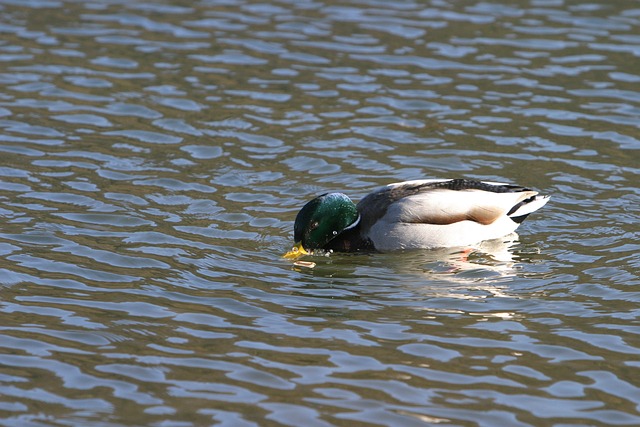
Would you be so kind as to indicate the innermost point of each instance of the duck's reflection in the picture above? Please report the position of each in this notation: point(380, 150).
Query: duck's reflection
point(474, 272)
point(487, 269)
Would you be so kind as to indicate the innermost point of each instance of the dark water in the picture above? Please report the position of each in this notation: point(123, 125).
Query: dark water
point(154, 155)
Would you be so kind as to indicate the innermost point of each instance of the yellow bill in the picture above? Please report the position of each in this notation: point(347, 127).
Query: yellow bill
point(296, 252)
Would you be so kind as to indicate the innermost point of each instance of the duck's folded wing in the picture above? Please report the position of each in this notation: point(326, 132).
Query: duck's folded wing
point(442, 202)
point(444, 206)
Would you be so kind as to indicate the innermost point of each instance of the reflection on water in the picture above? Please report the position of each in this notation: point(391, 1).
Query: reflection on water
point(484, 271)
point(154, 156)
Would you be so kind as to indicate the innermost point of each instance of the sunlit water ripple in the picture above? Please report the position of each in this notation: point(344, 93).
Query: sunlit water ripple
point(154, 156)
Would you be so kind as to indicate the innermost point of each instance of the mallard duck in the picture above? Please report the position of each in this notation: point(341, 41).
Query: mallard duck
point(430, 213)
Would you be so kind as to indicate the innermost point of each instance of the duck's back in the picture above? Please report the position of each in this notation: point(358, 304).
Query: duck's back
point(443, 213)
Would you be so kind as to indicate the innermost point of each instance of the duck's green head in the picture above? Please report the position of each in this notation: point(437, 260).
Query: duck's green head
point(321, 220)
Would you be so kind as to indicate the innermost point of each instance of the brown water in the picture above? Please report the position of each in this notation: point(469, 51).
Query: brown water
point(154, 155)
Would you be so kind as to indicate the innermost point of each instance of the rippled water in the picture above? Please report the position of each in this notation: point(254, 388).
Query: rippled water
point(154, 155)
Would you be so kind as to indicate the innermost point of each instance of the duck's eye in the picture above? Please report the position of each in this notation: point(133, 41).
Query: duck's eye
point(335, 233)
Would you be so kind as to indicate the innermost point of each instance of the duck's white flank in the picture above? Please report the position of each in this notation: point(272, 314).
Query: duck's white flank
point(443, 217)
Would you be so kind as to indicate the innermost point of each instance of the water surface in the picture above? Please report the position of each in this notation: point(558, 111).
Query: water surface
point(154, 155)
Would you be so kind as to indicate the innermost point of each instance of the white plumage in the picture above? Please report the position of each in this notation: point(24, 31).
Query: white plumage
point(445, 217)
